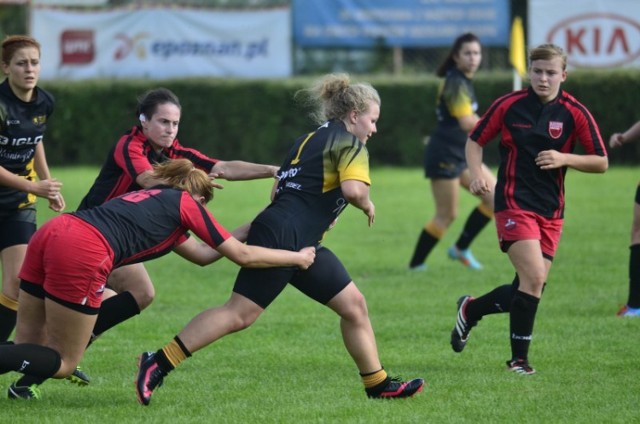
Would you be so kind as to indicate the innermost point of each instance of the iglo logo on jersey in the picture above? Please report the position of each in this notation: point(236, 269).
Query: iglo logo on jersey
point(555, 129)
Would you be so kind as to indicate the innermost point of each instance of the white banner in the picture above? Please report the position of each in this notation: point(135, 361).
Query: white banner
point(163, 43)
point(601, 34)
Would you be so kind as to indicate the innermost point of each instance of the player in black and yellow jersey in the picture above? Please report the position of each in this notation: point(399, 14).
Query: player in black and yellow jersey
point(325, 171)
point(24, 174)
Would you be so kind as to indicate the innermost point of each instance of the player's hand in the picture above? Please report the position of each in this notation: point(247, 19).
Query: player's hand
point(479, 186)
point(370, 211)
point(616, 140)
point(550, 159)
point(57, 203)
point(308, 256)
point(47, 188)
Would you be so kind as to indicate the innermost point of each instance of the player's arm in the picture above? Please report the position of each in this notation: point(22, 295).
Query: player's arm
point(467, 122)
point(146, 180)
point(201, 253)
point(56, 202)
point(552, 159)
point(237, 170)
point(632, 134)
point(261, 257)
point(473, 153)
point(357, 193)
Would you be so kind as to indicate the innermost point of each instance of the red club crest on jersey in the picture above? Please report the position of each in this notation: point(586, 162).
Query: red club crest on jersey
point(555, 129)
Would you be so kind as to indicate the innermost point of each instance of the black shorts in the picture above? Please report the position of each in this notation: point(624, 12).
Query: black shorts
point(321, 281)
point(17, 227)
point(444, 158)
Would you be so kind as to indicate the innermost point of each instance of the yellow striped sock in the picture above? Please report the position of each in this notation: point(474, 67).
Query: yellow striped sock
point(374, 378)
point(8, 302)
point(174, 353)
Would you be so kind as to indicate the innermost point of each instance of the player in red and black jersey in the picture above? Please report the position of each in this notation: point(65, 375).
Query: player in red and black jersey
point(632, 307)
point(539, 129)
point(128, 167)
point(24, 174)
point(324, 171)
point(444, 160)
point(70, 258)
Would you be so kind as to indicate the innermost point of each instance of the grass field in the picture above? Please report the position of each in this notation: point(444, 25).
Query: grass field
point(291, 366)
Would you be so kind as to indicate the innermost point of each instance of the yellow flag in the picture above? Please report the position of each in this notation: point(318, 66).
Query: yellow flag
point(517, 47)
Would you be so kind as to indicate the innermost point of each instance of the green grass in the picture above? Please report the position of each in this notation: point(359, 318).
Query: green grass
point(291, 366)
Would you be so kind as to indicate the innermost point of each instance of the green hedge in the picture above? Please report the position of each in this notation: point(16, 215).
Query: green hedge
point(257, 120)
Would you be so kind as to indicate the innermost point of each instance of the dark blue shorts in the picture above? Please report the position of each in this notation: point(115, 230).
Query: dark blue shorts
point(17, 227)
point(444, 159)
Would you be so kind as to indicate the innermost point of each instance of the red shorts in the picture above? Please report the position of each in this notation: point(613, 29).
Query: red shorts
point(70, 259)
point(517, 224)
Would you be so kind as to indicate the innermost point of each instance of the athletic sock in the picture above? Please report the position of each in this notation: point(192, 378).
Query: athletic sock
point(29, 380)
point(115, 310)
point(373, 379)
point(429, 237)
point(477, 220)
point(521, 319)
point(28, 358)
point(497, 301)
point(8, 308)
point(172, 355)
point(634, 277)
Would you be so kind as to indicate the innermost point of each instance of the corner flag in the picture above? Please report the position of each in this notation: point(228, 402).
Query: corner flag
point(517, 53)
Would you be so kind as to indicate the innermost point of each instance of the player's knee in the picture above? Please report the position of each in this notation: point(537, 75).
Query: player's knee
point(356, 309)
point(66, 369)
point(144, 298)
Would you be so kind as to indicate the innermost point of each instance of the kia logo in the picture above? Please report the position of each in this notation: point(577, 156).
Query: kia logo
point(598, 40)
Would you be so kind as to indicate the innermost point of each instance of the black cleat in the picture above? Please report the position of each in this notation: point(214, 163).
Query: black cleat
point(79, 377)
point(24, 392)
point(149, 377)
point(460, 333)
point(393, 387)
point(520, 366)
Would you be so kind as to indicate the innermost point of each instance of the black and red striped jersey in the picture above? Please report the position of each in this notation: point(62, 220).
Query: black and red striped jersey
point(527, 126)
point(130, 156)
point(146, 224)
point(22, 128)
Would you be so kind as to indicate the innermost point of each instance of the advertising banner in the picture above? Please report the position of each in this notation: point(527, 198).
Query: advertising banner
point(163, 43)
point(398, 23)
point(602, 34)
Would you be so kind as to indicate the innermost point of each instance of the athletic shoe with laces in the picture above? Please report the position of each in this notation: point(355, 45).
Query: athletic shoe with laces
point(627, 311)
point(24, 392)
point(460, 333)
point(520, 366)
point(150, 376)
point(465, 256)
point(395, 388)
point(79, 377)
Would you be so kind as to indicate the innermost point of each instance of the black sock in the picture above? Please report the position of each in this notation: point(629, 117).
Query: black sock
point(424, 246)
point(497, 301)
point(32, 359)
point(7, 322)
point(115, 310)
point(163, 362)
point(28, 380)
point(521, 319)
point(475, 223)
point(634, 277)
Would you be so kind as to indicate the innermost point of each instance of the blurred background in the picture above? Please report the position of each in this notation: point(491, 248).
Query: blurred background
point(235, 64)
point(410, 54)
